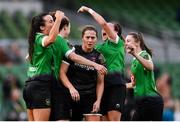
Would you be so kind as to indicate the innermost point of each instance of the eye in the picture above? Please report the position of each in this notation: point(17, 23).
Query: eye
point(92, 37)
point(51, 21)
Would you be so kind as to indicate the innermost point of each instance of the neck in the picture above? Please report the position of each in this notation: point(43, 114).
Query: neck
point(138, 50)
point(86, 49)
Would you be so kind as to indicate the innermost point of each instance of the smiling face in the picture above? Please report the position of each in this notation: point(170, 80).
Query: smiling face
point(104, 34)
point(89, 40)
point(130, 40)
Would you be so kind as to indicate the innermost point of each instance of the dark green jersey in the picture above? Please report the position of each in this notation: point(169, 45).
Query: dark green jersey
point(144, 79)
point(41, 59)
point(114, 54)
point(60, 49)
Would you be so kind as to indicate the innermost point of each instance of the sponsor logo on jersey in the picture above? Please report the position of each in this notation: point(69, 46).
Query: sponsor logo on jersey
point(84, 66)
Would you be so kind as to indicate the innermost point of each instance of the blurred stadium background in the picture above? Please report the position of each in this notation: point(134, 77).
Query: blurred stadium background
point(159, 20)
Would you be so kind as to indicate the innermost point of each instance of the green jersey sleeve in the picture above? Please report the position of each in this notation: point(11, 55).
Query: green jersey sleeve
point(65, 48)
point(146, 56)
point(40, 38)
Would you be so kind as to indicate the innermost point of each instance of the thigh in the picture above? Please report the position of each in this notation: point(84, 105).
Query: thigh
point(30, 115)
point(92, 117)
point(77, 113)
point(116, 97)
point(87, 102)
point(41, 114)
point(104, 104)
point(157, 109)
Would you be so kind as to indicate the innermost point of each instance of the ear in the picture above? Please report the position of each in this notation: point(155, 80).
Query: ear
point(42, 28)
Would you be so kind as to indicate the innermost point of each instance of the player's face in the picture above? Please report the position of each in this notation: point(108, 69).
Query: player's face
point(129, 41)
point(89, 39)
point(49, 22)
point(104, 35)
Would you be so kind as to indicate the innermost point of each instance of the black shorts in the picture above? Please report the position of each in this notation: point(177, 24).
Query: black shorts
point(84, 106)
point(61, 104)
point(37, 94)
point(114, 78)
point(148, 109)
point(113, 98)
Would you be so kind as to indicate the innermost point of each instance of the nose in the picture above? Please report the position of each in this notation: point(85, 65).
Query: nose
point(90, 39)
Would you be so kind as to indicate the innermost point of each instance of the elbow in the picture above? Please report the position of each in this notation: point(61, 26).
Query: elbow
point(103, 24)
point(150, 67)
point(52, 38)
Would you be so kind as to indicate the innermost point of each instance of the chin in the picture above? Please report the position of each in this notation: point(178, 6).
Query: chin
point(89, 48)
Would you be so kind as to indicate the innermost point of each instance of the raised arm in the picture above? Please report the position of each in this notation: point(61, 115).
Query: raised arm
point(111, 34)
point(54, 30)
point(63, 70)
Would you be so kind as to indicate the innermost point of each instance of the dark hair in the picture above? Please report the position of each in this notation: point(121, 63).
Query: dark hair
point(36, 22)
point(139, 38)
point(118, 29)
point(64, 21)
point(89, 27)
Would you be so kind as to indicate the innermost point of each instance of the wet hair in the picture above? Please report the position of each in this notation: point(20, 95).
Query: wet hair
point(36, 23)
point(64, 21)
point(118, 29)
point(89, 27)
point(139, 38)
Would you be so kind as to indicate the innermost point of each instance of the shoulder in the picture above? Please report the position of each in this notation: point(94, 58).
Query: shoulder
point(145, 55)
point(78, 48)
point(39, 36)
point(117, 41)
point(95, 51)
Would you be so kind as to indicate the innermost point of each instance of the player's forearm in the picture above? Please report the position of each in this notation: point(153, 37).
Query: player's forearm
point(146, 63)
point(100, 87)
point(81, 60)
point(103, 23)
point(55, 30)
point(97, 17)
point(65, 81)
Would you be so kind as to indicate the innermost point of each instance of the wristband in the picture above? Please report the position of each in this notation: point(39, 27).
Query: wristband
point(91, 11)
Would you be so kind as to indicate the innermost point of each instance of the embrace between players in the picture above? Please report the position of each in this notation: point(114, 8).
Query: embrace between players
point(71, 82)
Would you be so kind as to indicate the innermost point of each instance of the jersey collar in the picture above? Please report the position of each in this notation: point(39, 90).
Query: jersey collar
point(139, 53)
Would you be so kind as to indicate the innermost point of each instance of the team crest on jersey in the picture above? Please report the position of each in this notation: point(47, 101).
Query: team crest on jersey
point(93, 59)
point(47, 102)
point(117, 105)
